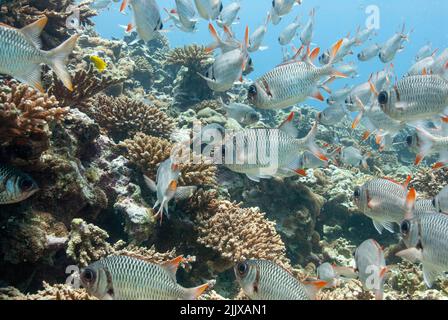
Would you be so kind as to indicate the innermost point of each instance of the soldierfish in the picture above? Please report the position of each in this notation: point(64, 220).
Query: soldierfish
point(147, 19)
point(15, 186)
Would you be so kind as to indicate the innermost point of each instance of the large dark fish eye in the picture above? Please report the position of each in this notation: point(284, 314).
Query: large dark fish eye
point(383, 97)
point(405, 227)
point(409, 140)
point(25, 184)
point(434, 202)
point(319, 115)
point(359, 55)
point(221, 7)
point(252, 92)
point(250, 62)
point(357, 192)
point(88, 275)
point(242, 268)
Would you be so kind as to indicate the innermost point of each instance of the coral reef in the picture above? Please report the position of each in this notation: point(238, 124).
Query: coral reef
point(428, 182)
point(124, 117)
point(194, 57)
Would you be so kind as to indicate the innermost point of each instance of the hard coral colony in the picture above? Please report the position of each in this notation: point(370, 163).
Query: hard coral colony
point(111, 136)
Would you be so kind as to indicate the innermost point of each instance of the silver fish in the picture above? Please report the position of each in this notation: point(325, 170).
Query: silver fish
point(100, 4)
point(371, 266)
point(345, 49)
point(440, 202)
point(260, 153)
point(393, 45)
point(306, 36)
point(265, 280)
point(424, 52)
point(166, 186)
point(440, 65)
point(384, 201)
point(332, 115)
point(209, 9)
point(351, 156)
point(363, 35)
point(428, 143)
point(127, 278)
point(415, 98)
point(339, 96)
point(187, 14)
point(369, 52)
point(147, 18)
point(333, 274)
point(15, 186)
point(227, 45)
point(242, 113)
point(289, 32)
point(228, 14)
point(257, 37)
point(349, 69)
point(21, 56)
point(422, 66)
point(283, 7)
point(426, 238)
point(290, 83)
point(275, 18)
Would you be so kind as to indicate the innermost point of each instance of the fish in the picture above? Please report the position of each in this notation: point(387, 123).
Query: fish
point(187, 15)
point(349, 69)
point(415, 98)
point(306, 36)
point(189, 26)
point(362, 35)
point(120, 277)
point(289, 32)
point(345, 49)
point(369, 52)
point(328, 272)
point(166, 186)
point(244, 114)
point(339, 96)
point(21, 55)
point(99, 63)
point(257, 37)
point(363, 92)
point(371, 267)
point(422, 66)
point(440, 201)
point(147, 19)
point(228, 68)
point(291, 83)
point(424, 52)
point(425, 237)
point(425, 206)
point(209, 9)
point(72, 21)
point(332, 115)
point(428, 143)
point(227, 45)
point(393, 45)
point(100, 4)
point(308, 160)
point(269, 150)
point(350, 156)
point(15, 185)
point(265, 280)
point(385, 201)
point(283, 7)
point(440, 63)
point(275, 18)
point(228, 14)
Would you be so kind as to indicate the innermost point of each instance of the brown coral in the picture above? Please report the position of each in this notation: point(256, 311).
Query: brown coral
point(211, 104)
point(87, 83)
point(20, 13)
point(194, 57)
point(428, 182)
point(60, 292)
point(26, 116)
point(124, 117)
point(147, 254)
point(240, 233)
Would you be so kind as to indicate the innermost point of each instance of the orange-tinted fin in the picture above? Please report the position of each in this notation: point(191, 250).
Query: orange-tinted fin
point(438, 165)
point(318, 96)
point(419, 158)
point(424, 72)
point(123, 5)
point(301, 172)
point(313, 286)
point(172, 265)
point(373, 88)
point(313, 55)
point(336, 48)
point(410, 199)
point(355, 122)
point(365, 135)
point(193, 293)
point(406, 183)
point(212, 30)
point(444, 118)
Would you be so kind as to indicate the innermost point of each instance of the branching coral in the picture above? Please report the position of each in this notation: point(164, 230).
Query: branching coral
point(124, 117)
point(147, 152)
point(26, 116)
point(193, 57)
point(147, 254)
point(87, 83)
point(20, 13)
point(60, 292)
point(240, 233)
point(87, 243)
point(212, 104)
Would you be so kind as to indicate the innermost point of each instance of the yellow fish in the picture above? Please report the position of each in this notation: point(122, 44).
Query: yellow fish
point(99, 63)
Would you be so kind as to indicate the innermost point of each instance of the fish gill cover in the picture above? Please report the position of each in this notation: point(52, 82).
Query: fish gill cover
point(275, 143)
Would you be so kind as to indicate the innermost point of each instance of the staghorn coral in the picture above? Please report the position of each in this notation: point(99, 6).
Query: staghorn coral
point(87, 243)
point(25, 119)
point(147, 152)
point(147, 254)
point(428, 182)
point(144, 71)
point(124, 117)
point(87, 83)
point(20, 13)
point(193, 57)
point(240, 233)
point(60, 292)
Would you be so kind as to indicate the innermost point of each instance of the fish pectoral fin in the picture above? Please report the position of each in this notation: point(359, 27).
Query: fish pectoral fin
point(151, 184)
point(32, 76)
point(430, 274)
point(32, 31)
point(185, 192)
point(289, 127)
point(252, 177)
point(317, 95)
point(193, 293)
point(378, 226)
point(411, 254)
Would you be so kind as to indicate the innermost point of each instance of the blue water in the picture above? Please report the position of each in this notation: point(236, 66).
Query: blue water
point(334, 20)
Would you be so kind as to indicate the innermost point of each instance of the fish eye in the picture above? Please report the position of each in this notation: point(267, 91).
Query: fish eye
point(405, 227)
point(25, 184)
point(357, 192)
point(273, 3)
point(409, 140)
point(161, 26)
point(254, 116)
point(252, 92)
point(88, 275)
point(359, 55)
point(383, 98)
point(250, 62)
point(434, 202)
point(221, 7)
point(242, 268)
point(319, 115)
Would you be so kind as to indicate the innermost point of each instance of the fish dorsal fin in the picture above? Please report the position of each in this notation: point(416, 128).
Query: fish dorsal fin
point(406, 183)
point(7, 26)
point(313, 286)
point(151, 184)
point(33, 31)
point(172, 265)
point(288, 126)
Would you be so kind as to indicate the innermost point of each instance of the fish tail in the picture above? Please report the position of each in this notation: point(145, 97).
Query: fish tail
point(58, 57)
point(215, 35)
point(310, 142)
point(193, 293)
point(313, 287)
point(425, 143)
